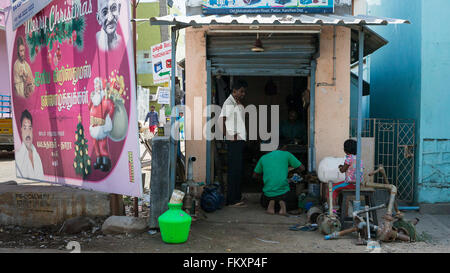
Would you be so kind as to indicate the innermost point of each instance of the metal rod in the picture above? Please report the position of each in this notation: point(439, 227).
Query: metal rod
point(263, 31)
point(368, 223)
point(208, 117)
point(136, 203)
point(357, 203)
point(330, 197)
point(172, 107)
point(312, 112)
point(369, 209)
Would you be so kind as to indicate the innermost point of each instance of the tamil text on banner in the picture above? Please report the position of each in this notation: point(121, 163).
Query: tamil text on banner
point(267, 6)
point(74, 98)
point(162, 62)
point(24, 10)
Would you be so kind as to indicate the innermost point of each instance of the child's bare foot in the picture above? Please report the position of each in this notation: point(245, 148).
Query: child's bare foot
point(282, 208)
point(271, 207)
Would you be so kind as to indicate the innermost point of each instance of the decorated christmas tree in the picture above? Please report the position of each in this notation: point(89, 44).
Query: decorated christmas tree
point(82, 161)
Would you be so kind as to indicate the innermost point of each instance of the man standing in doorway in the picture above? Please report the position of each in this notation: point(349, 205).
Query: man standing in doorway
point(235, 135)
point(153, 119)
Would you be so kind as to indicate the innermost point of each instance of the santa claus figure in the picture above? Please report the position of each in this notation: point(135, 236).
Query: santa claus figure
point(101, 111)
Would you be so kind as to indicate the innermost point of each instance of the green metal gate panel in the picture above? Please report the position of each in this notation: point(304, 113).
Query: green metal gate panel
point(284, 54)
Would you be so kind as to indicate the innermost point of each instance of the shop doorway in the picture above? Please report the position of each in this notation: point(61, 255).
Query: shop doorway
point(279, 73)
point(285, 92)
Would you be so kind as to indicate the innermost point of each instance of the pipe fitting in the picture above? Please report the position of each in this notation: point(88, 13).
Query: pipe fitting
point(190, 173)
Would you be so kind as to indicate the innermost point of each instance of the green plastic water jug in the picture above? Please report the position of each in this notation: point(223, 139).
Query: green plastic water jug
point(175, 224)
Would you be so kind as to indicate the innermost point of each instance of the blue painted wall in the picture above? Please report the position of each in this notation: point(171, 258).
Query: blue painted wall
point(409, 80)
point(434, 183)
point(354, 102)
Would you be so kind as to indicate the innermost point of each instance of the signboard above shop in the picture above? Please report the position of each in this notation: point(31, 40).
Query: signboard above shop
point(267, 6)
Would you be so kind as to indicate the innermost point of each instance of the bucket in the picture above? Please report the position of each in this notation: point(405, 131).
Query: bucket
point(175, 224)
point(177, 197)
point(314, 189)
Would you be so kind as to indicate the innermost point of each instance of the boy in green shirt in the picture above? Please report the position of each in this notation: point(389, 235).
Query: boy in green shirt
point(274, 167)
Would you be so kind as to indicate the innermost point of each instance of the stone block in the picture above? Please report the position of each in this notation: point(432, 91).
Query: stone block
point(77, 224)
point(38, 206)
point(124, 225)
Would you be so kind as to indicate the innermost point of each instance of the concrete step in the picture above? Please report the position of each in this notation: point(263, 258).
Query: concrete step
point(38, 206)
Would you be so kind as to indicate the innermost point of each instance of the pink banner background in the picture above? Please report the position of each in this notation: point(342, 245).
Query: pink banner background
point(58, 164)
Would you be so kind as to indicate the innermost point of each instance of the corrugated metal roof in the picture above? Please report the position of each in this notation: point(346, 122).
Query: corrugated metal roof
point(275, 19)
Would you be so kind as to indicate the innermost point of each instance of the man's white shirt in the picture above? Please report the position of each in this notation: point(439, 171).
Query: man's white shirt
point(24, 168)
point(235, 119)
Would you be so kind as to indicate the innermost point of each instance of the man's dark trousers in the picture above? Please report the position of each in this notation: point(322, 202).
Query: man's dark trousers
point(235, 169)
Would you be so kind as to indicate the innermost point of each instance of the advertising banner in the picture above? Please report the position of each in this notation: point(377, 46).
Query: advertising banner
point(267, 6)
point(162, 62)
point(74, 98)
point(24, 10)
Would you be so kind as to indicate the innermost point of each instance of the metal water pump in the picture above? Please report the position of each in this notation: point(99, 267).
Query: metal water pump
point(393, 228)
point(329, 222)
point(191, 202)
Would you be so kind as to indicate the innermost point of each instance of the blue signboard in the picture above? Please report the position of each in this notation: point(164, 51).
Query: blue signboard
point(23, 10)
point(267, 6)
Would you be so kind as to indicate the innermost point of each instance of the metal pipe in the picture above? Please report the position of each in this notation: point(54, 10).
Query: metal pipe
point(173, 155)
point(336, 235)
point(408, 208)
point(387, 186)
point(312, 118)
point(355, 213)
point(134, 11)
point(190, 174)
point(368, 223)
point(263, 31)
point(357, 202)
point(362, 225)
point(208, 117)
point(330, 198)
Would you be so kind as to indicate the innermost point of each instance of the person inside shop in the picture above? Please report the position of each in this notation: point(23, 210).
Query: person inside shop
point(349, 168)
point(235, 134)
point(274, 170)
point(293, 130)
point(28, 161)
point(153, 119)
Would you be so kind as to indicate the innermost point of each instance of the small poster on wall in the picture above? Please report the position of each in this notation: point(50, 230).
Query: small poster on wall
point(163, 95)
point(267, 6)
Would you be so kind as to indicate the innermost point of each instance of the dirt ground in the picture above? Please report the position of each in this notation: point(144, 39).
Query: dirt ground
point(229, 230)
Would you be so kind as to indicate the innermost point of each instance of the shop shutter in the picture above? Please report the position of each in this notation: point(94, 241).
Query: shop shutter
point(284, 54)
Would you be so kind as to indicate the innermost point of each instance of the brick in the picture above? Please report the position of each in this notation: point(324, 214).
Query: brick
point(429, 146)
